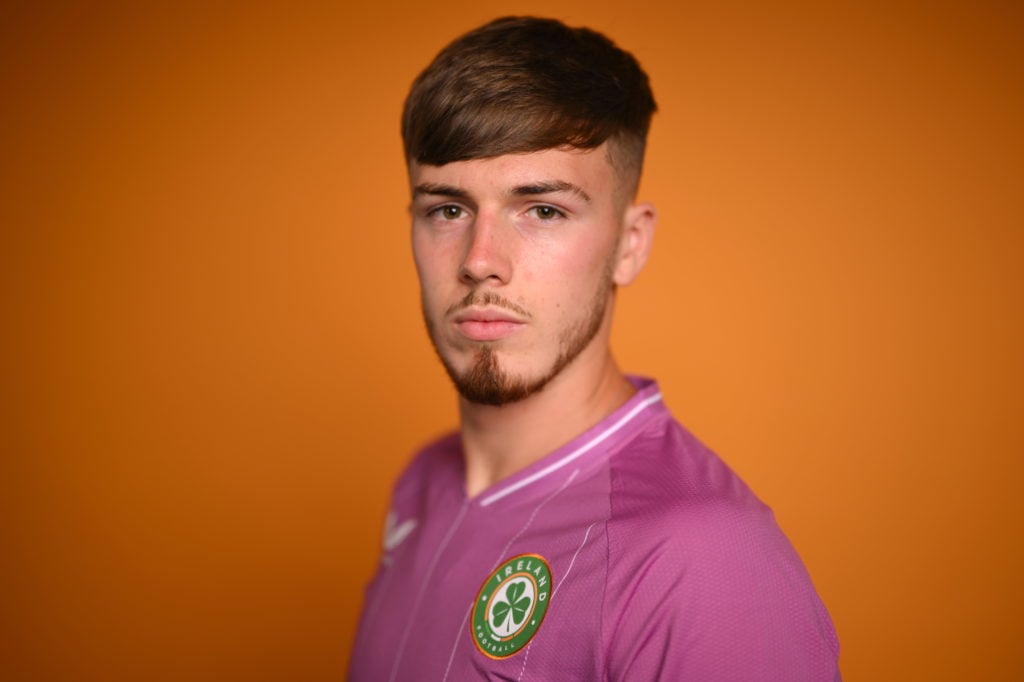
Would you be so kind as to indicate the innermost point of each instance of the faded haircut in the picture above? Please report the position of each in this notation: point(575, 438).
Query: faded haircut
point(525, 84)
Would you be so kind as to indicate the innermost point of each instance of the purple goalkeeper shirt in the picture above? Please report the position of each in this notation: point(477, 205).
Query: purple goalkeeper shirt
point(631, 553)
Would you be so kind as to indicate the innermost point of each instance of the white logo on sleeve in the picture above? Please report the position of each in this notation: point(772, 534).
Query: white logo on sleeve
point(395, 534)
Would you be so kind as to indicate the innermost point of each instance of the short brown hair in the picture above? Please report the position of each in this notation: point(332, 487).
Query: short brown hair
point(525, 84)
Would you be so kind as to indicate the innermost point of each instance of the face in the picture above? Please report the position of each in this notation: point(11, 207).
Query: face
point(517, 256)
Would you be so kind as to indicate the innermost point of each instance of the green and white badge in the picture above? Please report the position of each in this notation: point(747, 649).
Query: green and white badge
point(511, 605)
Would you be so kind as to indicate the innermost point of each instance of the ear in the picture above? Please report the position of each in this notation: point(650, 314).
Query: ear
point(634, 242)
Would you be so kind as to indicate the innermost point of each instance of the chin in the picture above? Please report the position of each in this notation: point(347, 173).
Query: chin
point(484, 381)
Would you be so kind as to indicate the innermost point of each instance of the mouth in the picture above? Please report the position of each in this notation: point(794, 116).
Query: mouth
point(487, 324)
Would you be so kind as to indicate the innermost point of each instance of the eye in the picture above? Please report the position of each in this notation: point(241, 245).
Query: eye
point(545, 212)
point(447, 212)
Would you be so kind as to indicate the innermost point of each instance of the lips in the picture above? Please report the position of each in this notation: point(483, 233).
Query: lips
point(479, 330)
point(487, 324)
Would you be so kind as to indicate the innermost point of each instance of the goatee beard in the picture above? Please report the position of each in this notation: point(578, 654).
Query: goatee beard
point(487, 383)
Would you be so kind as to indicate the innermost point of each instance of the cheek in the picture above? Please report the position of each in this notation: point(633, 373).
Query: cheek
point(420, 252)
point(431, 266)
point(439, 284)
point(580, 269)
point(564, 285)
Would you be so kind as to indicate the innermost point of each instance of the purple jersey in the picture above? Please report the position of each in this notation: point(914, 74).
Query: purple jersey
point(631, 553)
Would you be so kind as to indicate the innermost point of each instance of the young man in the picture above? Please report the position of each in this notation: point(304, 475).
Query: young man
point(572, 529)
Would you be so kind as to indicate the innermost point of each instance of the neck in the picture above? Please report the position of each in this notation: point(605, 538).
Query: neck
point(499, 441)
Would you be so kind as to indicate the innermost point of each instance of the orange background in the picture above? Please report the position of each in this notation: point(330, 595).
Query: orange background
point(214, 364)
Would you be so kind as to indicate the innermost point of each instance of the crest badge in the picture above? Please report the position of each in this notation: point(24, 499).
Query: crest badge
point(510, 606)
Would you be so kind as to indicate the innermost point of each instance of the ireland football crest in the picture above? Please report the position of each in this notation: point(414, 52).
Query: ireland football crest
point(511, 605)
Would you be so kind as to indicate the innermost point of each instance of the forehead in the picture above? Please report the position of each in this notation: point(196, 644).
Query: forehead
point(588, 169)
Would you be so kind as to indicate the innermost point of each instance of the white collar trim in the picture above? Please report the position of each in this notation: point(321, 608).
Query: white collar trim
point(575, 454)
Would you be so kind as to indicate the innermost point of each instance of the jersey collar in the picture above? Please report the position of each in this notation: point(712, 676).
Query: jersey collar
point(594, 444)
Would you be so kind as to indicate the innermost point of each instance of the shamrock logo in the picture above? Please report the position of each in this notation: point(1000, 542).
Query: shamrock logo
point(510, 606)
point(512, 609)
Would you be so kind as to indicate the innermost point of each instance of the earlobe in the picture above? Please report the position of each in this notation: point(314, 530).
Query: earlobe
point(635, 242)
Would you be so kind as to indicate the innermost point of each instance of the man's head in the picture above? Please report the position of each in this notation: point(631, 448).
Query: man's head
point(524, 84)
point(524, 141)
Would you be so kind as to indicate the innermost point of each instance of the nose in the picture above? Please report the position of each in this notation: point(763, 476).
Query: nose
point(487, 252)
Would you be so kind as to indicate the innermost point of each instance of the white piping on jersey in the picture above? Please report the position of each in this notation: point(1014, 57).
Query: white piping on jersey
point(572, 562)
point(575, 454)
point(423, 588)
point(526, 657)
point(536, 510)
point(501, 557)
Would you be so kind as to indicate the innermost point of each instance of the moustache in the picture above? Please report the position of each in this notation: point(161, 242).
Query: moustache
point(487, 298)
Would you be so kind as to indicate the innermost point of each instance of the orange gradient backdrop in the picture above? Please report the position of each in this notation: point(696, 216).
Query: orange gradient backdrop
point(214, 364)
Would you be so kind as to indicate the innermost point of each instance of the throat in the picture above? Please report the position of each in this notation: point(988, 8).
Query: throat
point(499, 441)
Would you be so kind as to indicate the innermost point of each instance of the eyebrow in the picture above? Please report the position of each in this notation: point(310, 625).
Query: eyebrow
point(432, 189)
point(550, 188)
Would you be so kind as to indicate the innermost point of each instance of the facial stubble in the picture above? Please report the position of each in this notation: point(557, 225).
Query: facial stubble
point(486, 382)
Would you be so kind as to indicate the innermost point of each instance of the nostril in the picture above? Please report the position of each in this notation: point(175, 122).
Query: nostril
point(465, 275)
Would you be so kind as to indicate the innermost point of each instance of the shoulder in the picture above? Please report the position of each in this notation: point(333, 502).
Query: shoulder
point(669, 482)
point(438, 463)
point(697, 564)
point(674, 502)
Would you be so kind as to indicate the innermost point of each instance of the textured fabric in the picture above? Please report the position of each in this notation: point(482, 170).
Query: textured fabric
point(664, 566)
